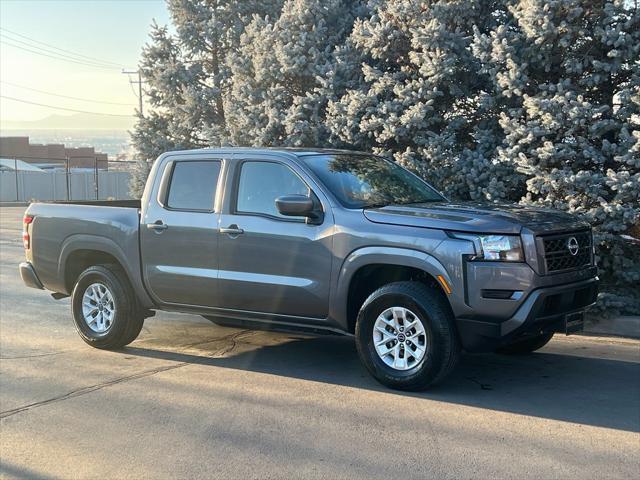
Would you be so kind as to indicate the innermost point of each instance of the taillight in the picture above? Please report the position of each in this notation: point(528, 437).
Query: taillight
point(26, 239)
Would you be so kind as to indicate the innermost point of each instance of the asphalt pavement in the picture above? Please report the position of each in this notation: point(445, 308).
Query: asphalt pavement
point(189, 399)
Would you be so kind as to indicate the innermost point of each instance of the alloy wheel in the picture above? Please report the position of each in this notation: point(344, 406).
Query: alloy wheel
point(98, 307)
point(399, 338)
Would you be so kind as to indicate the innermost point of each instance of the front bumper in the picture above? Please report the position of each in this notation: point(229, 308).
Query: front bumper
point(29, 276)
point(544, 310)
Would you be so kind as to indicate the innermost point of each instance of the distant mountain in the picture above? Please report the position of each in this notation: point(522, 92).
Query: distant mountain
point(83, 121)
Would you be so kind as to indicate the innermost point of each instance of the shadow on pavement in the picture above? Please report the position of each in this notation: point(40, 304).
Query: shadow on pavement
point(590, 391)
point(13, 471)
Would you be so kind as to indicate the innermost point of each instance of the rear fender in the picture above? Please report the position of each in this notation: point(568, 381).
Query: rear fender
point(131, 267)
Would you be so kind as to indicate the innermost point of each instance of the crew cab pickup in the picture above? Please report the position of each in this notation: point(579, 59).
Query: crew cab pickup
point(317, 240)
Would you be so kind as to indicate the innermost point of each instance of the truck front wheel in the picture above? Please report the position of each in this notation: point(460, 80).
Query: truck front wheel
point(405, 336)
point(104, 308)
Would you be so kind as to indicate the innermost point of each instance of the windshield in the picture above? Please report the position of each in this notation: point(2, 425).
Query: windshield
point(362, 181)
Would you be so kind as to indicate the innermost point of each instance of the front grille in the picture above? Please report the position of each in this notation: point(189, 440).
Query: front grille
point(558, 255)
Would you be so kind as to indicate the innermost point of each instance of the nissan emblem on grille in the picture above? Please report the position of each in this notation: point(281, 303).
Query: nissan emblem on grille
point(567, 251)
point(572, 245)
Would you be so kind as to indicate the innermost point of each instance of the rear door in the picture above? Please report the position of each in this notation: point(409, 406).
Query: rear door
point(179, 233)
point(270, 263)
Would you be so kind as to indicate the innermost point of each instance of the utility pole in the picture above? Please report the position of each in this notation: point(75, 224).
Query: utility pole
point(139, 82)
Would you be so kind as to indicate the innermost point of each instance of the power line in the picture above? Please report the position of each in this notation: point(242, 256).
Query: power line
point(51, 52)
point(57, 58)
point(94, 59)
point(63, 108)
point(63, 96)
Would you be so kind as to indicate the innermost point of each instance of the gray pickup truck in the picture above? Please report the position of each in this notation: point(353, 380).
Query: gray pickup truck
point(321, 241)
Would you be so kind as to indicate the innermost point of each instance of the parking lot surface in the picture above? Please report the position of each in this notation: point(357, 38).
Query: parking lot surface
point(189, 399)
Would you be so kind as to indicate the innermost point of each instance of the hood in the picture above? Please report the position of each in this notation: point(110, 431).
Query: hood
point(476, 217)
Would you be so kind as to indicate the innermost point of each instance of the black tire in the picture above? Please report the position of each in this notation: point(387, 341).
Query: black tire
point(128, 318)
point(528, 345)
point(442, 344)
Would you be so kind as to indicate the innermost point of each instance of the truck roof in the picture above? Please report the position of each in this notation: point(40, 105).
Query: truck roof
point(297, 151)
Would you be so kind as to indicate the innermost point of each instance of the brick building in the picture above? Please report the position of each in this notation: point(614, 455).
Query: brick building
point(51, 154)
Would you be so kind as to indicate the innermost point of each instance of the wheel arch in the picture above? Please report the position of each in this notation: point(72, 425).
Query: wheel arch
point(377, 266)
point(79, 252)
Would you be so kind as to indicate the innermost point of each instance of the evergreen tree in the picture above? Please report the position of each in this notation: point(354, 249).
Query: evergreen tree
point(281, 73)
point(139, 174)
point(186, 74)
point(423, 99)
point(175, 118)
point(566, 79)
point(525, 100)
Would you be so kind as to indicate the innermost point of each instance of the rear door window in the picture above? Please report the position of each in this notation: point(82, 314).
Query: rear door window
point(193, 185)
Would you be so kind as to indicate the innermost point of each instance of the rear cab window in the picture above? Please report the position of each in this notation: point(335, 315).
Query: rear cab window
point(193, 185)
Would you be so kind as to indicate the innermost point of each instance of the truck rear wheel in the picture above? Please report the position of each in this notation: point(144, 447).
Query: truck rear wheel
point(406, 337)
point(104, 308)
point(529, 345)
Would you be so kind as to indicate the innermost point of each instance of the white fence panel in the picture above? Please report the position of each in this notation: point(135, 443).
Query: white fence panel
point(81, 186)
point(34, 186)
point(60, 185)
point(113, 185)
point(8, 187)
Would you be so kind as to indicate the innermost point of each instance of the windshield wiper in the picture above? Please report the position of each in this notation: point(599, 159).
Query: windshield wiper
point(431, 200)
point(397, 204)
point(375, 205)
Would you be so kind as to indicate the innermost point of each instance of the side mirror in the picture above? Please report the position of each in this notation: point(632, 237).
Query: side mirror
point(299, 206)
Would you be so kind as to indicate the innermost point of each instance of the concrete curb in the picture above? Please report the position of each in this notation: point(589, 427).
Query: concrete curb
point(623, 326)
point(14, 204)
point(607, 339)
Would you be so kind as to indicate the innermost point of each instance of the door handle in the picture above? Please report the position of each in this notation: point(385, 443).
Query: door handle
point(232, 230)
point(158, 226)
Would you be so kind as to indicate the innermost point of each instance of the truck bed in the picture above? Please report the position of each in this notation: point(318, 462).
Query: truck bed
point(65, 233)
point(99, 203)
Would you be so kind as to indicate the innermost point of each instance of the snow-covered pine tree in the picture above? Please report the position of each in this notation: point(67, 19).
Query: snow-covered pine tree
point(489, 99)
point(186, 75)
point(566, 77)
point(280, 73)
point(139, 174)
point(169, 86)
point(423, 99)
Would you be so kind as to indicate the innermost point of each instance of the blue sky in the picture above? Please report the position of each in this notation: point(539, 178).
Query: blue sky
point(111, 31)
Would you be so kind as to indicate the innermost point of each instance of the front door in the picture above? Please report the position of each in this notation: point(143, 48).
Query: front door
point(179, 235)
point(268, 262)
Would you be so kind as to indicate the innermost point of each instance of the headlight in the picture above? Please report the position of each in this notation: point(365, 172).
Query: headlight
point(502, 248)
point(506, 248)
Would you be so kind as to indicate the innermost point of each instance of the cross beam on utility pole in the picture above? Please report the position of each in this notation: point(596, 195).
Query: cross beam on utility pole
point(139, 82)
